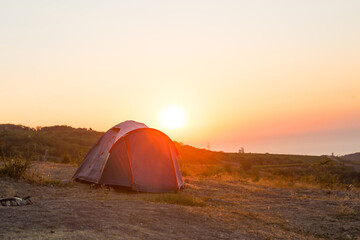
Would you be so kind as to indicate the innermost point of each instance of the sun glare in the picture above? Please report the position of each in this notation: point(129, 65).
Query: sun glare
point(173, 117)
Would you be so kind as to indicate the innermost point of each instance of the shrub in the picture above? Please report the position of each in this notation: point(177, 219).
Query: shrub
point(228, 168)
point(15, 167)
point(246, 165)
point(256, 178)
point(66, 158)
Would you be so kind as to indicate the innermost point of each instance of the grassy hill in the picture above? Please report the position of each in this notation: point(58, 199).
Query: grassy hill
point(70, 145)
point(58, 141)
point(352, 157)
point(61, 141)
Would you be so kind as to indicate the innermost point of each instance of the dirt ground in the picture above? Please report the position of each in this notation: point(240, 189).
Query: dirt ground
point(234, 210)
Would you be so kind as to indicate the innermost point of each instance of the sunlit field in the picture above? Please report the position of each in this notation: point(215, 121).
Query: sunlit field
point(276, 196)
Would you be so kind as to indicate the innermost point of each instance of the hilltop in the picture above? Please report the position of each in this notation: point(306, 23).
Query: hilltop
point(352, 157)
point(62, 143)
point(65, 144)
point(73, 143)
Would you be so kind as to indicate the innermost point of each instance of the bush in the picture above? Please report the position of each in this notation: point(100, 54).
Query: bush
point(228, 168)
point(66, 158)
point(16, 167)
point(246, 165)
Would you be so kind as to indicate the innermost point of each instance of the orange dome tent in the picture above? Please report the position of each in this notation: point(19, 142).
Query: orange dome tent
point(132, 155)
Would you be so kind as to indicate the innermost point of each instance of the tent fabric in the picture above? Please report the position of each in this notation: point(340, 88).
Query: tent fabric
point(132, 155)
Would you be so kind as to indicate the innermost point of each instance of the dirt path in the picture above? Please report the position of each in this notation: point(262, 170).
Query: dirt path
point(235, 210)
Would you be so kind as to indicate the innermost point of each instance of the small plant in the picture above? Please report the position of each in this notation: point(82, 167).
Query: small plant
point(15, 168)
point(325, 161)
point(66, 158)
point(210, 171)
point(256, 178)
point(228, 168)
point(185, 172)
point(246, 165)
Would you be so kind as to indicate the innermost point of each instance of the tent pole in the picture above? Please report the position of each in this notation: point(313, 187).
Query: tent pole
point(173, 167)
point(129, 157)
point(103, 167)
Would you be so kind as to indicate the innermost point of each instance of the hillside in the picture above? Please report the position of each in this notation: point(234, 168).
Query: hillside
point(70, 145)
point(352, 157)
point(61, 141)
point(58, 141)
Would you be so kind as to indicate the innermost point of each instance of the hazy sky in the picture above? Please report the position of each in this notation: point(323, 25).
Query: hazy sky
point(269, 76)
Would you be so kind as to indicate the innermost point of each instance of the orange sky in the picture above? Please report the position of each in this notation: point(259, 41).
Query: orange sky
point(275, 76)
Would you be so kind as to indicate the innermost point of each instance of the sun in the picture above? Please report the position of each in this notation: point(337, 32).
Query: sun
point(173, 117)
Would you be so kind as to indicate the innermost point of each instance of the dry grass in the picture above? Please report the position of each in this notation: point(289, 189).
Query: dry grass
point(224, 205)
point(38, 179)
point(179, 198)
point(344, 211)
point(14, 168)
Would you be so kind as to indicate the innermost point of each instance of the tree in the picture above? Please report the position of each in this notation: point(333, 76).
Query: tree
point(241, 150)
